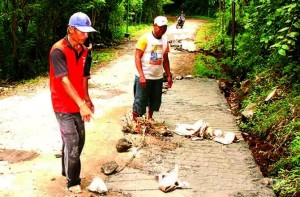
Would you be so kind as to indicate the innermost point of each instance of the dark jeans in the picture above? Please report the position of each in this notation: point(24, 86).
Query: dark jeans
point(149, 96)
point(73, 137)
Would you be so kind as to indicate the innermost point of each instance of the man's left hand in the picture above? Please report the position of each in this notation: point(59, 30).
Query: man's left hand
point(170, 81)
point(90, 105)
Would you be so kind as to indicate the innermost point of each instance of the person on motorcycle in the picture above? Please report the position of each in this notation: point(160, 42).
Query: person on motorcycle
point(181, 17)
point(180, 20)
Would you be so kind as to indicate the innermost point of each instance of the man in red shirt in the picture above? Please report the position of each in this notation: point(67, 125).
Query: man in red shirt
point(69, 94)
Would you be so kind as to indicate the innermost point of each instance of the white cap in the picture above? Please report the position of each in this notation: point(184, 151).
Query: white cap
point(161, 21)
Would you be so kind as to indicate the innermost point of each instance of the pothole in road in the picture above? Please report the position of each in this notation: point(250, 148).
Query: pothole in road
point(15, 156)
point(187, 44)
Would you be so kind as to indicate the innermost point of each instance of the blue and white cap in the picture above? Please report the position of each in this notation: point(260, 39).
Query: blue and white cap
point(82, 22)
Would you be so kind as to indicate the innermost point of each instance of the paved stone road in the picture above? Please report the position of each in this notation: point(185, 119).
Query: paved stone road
point(212, 169)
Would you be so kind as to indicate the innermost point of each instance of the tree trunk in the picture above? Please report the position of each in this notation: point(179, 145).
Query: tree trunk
point(14, 26)
point(232, 29)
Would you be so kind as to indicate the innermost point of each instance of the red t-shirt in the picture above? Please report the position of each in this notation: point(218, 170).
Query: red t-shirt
point(69, 64)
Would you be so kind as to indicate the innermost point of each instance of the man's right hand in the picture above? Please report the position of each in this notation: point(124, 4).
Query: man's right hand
point(143, 82)
point(85, 112)
point(90, 105)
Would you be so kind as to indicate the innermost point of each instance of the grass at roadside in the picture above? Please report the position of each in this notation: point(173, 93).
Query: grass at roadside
point(103, 56)
point(207, 65)
point(138, 30)
point(24, 87)
point(202, 18)
point(206, 36)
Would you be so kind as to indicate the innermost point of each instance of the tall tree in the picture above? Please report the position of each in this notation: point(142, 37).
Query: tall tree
point(28, 28)
point(151, 9)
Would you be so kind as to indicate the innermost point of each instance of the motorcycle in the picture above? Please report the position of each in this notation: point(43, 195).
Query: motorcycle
point(180, 23)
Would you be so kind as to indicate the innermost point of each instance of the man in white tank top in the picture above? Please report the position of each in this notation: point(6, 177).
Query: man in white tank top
point(151, 61)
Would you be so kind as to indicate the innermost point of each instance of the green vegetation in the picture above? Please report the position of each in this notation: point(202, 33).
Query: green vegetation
point(206, 36)
point(208, 65)
point(287, 182)
point(102, 56)
point(25, 37)
point(267, 54)
point(138, 30)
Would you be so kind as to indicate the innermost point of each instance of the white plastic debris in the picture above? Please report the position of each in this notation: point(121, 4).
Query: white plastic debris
point(201, 130)
point(227, 138)
point(183, 184)
point(218, 133)
point(190, 129)
point(169, 181)
point(98, 186)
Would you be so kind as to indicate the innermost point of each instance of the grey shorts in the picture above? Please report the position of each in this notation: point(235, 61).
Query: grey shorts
point(149, 96)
